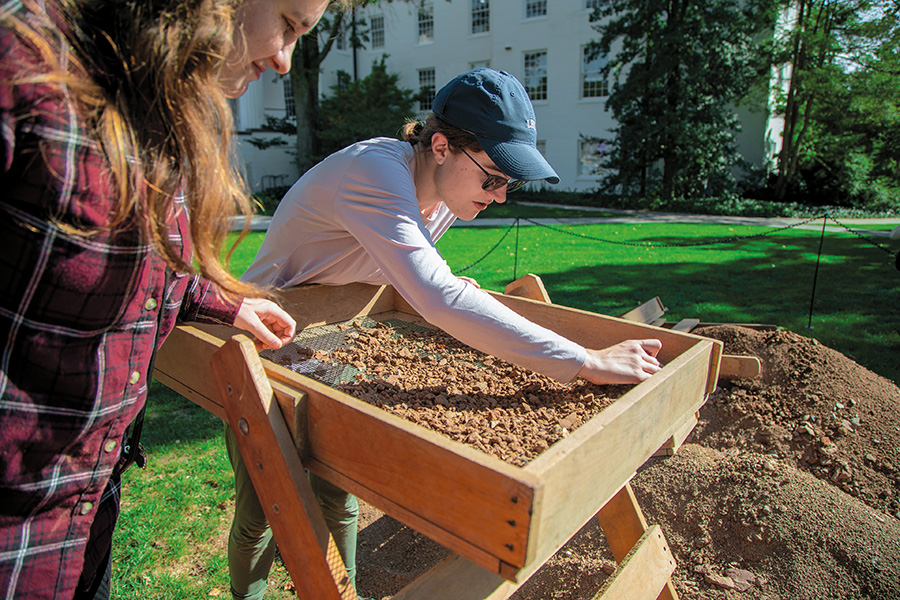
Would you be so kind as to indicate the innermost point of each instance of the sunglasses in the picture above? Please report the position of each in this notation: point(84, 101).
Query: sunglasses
point(495, 182)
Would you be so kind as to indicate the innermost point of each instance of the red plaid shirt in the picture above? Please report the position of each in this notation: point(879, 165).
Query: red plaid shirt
point(78, 321)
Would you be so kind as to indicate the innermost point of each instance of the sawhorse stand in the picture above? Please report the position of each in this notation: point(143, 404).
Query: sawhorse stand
point(502, 522)
point(309, 552)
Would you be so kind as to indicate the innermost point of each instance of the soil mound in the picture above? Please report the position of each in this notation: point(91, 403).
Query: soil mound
point(813, 407)
point(787, 489)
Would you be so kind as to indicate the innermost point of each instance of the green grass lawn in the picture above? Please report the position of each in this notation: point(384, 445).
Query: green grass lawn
point(170, 543)
point(734, 278)
point(768, 279)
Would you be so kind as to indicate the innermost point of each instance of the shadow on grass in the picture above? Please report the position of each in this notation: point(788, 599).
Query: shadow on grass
point(172, 418)
point(854, 307)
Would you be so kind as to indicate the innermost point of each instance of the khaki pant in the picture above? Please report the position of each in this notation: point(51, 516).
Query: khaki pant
point(251, 547)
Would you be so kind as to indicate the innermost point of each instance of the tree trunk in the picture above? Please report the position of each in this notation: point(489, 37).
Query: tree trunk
point(799, 103)
point(670, 55)
point(305, 79)
point(307, 59)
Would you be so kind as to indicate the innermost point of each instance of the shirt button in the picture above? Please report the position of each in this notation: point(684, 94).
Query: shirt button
point(86, 507)
point(135, 377)
point(150, 304)
point(109, 446)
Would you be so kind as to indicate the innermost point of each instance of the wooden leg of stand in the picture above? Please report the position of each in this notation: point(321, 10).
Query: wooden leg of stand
point(623, 525)
point(306, 546)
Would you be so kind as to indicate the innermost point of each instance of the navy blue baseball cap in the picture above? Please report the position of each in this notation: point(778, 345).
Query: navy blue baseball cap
point(495, 108)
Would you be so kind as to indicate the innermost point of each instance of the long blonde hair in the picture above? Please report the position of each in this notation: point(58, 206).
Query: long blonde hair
point(143, 74)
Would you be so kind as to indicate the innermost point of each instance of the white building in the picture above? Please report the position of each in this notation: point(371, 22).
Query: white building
point(542, 43)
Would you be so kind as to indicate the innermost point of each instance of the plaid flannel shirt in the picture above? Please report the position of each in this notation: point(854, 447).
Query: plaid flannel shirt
point(78, 321)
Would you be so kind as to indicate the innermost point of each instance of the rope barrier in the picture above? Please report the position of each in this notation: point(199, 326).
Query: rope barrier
point(713, 242)
point(824, 216)
point(505, 233)
point(860, 236)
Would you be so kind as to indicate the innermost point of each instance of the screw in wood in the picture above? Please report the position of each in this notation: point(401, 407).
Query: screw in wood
point(229, 390)
point(259, 467)
point(275, 509)
point(244, 426)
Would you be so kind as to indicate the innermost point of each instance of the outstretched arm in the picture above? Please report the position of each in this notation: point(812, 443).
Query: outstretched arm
point(269, 324)
point(631, 361)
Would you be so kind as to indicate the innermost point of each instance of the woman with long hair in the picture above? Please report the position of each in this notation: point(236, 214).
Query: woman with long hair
point(118, 182)
point(372, 213)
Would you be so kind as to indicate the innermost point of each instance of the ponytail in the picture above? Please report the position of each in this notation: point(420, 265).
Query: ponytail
point(420, 133)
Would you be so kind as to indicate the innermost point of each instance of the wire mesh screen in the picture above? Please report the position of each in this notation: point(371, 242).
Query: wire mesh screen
point(310, 352)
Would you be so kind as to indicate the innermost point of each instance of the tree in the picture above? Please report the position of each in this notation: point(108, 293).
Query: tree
point(809, 48)
point(841, 143)
point(682, 68)
point(358, 110)
point(306, 61)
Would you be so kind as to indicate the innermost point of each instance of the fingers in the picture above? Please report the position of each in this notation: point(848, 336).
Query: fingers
point(281, 324)
point(270, 325)
point(265, 339)
point(276, 330)
point(651, 347)
point(631, 361)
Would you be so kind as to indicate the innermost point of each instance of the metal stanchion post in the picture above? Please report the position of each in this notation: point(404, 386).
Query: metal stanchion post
point(816, 275)
point(516, 255)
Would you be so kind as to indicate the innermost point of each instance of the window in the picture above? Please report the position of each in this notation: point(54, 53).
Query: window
point(535, 8)
point(235, 112)
point(426, 86)
point(290, 109)
point(426, 23)
point(541, 146)
point(536, 75)
point(340, 39)
point(342, 81)
point(590, 155)
point(376, 31)
point(593, 4)
point(481, 16)
point(593, 83)
point(479, 64)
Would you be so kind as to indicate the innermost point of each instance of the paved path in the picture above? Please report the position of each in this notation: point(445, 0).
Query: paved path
point(261, 223)
point(639, 216)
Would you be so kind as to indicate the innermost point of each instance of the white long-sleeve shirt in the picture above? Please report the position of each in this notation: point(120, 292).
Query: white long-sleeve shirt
point(355, 217)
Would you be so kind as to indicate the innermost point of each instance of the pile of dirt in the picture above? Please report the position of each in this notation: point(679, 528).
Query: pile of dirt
point(813, 407)
point(786, 489)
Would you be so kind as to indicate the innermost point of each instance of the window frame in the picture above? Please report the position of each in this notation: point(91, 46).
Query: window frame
point(580, 174)
point(477, 19)
point(602, 82)
point(380, 32)
point(544, 85)
point(527, 4)
point(290, 103)
point(419, 74)
point(341, 41)
point(425, 8)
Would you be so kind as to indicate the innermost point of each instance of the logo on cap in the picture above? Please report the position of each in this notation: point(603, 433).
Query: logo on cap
point(531, 124)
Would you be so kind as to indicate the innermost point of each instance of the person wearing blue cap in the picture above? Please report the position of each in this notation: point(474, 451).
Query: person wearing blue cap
point(372, 213)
